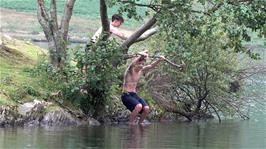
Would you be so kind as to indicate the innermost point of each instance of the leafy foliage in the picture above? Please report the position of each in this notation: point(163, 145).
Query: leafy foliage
point(100, 73)
point(208, 43)
point(86, 88)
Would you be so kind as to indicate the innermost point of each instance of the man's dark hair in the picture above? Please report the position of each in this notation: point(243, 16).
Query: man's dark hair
point(117, 17)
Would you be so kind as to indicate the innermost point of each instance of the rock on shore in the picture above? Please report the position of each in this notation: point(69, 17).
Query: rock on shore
point(39, 113)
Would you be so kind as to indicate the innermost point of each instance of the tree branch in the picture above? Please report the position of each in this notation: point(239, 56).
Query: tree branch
point(200, 101)
point(147, 34)
point(151, 6)
point(236, 109)
point(170, 106)
point(187, 92)
point(43, 19)
point(104, 20)
point(42, 10)
point(216, 112)
point(66, 17)
point(54, 14)
point(179, 66)
point(126, 44)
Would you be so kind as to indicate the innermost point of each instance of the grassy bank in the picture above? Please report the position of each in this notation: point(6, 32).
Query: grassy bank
point(17, 60)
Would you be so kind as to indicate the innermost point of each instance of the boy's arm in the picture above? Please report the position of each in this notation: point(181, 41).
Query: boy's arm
point(143, 54)
point(154, 64)
point(118, 33)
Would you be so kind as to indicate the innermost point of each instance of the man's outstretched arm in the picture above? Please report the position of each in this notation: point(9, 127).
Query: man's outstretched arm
point(118, 33)
point(154, 64)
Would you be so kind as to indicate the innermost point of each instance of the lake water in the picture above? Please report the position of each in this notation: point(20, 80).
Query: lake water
point(248, 134)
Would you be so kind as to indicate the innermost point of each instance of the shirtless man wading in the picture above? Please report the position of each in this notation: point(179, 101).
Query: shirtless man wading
point(129, 96)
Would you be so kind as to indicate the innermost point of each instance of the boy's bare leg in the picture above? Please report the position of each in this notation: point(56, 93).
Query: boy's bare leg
point(145, 112)
point(134, 113)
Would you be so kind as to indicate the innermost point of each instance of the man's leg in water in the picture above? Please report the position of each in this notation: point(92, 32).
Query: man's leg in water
point(143, 115)
point(134, 113)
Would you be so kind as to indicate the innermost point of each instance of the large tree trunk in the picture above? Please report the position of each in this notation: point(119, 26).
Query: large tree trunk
point(100, 103)
point(55, 35)
point(57, 51)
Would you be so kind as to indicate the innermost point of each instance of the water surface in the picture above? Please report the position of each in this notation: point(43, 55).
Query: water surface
point(249, 134)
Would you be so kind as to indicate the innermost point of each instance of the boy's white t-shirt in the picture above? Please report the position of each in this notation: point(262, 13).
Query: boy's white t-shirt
point(113, 30)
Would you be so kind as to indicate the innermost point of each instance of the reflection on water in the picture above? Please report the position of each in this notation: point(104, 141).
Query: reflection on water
point(205, 135)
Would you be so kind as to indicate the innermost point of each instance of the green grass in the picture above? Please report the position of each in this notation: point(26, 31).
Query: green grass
point(17, 58)
point(85, 8)
point(82, 8)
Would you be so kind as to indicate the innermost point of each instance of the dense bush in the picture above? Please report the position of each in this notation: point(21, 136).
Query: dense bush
point(99, 74)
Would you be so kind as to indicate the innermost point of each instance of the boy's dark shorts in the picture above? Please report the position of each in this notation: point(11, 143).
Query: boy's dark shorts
point(131, 99)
